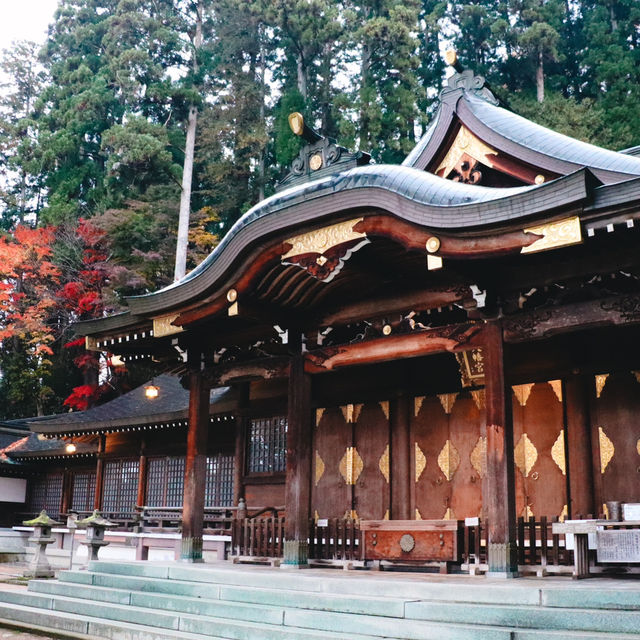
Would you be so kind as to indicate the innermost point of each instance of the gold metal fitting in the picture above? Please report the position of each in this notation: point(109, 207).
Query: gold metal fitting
point(232, 295)
point(386, 330)
point(451, 57)
point(296, 122)
point(315, 162)
point(539, 179)
point(433, 244)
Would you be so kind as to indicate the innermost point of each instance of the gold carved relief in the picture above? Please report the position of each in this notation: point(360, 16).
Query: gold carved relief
point(319, 468)
point(384, 405)
point(447, 400)
point(471, 365)
point(162, 326)
point(421, 461)
point(448, 460)
point(321, 240)
point(601, 380)
point(525, 455)
point(417, 405)
point(557, 453)
point(466, 142)
point(383, 464)
point(319, 414)
point(418, 515)
point(607, 450)
point(351, 465)
point(478, 456)
point(561, 233)
point(556, 385)
point(527, 512)
point(351, 412)
point(478, 398)
point(522, 392)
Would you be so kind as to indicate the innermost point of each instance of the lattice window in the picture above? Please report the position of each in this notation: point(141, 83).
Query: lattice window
point(219, 482)
point(46, 493)
point(267, 445)
point(165, 482)
point(83, 490)
point(120, 485)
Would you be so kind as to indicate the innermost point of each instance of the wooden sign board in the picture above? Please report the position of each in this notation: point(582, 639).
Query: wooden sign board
point(622, 545)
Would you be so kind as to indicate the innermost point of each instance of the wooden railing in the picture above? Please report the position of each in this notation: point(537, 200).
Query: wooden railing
point(257, 537)
point(338, 540)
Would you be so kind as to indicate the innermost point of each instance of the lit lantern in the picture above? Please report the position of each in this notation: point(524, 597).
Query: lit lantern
point(71, 448)
point(151, 391)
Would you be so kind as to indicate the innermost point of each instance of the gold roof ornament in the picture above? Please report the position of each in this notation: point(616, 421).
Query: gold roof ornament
point(296, 123)
point(451, 57)
point(466, 142)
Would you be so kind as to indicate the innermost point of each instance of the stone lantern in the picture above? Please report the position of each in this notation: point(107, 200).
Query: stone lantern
point(39, 566)
point(94, 538)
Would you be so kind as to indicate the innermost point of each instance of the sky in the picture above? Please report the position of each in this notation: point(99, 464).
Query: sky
point(25, 20)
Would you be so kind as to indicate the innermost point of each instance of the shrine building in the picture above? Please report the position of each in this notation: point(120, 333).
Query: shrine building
point(456, 337)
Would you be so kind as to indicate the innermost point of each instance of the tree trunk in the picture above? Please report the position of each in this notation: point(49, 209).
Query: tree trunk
point(364, 116)
point(187, 169)
point(302, 78)
point(540, 79)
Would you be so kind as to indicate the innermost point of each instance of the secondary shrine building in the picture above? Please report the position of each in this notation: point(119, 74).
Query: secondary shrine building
point(457, 336)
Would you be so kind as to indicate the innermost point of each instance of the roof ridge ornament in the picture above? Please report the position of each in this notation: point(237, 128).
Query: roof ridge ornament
point(321, 155)
point(466, 80)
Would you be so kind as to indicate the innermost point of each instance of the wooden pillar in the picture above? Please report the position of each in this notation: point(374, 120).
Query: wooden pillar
point(499, 486)
point(67, 487)
point(195, 465)
point(97, 498)
point(142, 480)
point(577, 389)
point(299, 434)
point(242, 419)
point(400, 418)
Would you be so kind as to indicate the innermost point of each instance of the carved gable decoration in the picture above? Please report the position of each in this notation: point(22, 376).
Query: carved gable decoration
point(463, 156)
point(323, 252)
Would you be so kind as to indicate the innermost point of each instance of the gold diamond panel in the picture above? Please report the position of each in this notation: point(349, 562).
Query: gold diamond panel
point(418, 515)
point(417, 405)
point(351, 412)
point(601, 380)
point(557, 453)
point(421, 461)
point(478, 456)
point(607, 450)
point(384, 405)
point(564, 514)
point(522, 392)
point(319, 468)
point(448, 460)
point(351, 465)
point(447, 400)
point(448, 514)
point(556, 385)
point(478, 398)
point(525, 455)
point(383, 464)
point(319, 414)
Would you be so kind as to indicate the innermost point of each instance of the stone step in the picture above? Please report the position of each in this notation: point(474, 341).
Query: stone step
point(527, 617)
point(33, 607)
point(371, 605)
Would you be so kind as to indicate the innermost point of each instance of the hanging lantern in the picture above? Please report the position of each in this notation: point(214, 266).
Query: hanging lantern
point(151, 391)
point(71, 448)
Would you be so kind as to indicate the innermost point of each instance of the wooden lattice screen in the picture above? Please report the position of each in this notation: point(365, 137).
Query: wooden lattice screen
point(267, 445)
point(219, 487)
point(45, 493)
point(165, 482)
point(120, 485)
point(83, 490)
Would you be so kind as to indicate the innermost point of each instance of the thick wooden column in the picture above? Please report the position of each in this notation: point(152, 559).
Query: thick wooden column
point(97, 498)
point(195, 466)
point(242, 418)
point(142, 480)
point(400, 417)
point(67, 489)
point(577, 390)
point(299, 435)
point(499, 486)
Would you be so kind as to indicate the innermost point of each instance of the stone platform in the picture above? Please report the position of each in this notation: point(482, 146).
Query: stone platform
point(173, 601)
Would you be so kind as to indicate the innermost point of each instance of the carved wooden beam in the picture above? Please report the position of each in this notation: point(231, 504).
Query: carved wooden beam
point(542, 323)
point(450, 338)
point(413, 237)
point(233, 372)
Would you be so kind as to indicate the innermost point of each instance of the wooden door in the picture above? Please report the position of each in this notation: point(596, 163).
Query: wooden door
point(539, 440)
point(450, 455)
point(616, 437)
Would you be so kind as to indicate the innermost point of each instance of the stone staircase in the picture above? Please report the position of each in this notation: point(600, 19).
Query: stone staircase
point(163, 601)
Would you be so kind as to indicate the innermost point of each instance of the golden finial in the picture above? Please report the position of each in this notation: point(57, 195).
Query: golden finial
point(451, 57)
point(296, 122)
